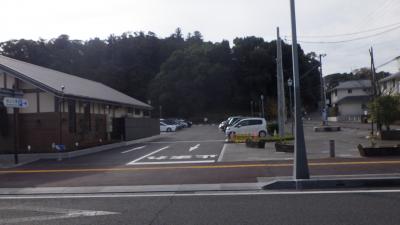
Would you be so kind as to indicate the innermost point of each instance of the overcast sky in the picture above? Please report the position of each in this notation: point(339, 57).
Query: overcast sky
point(218, 20)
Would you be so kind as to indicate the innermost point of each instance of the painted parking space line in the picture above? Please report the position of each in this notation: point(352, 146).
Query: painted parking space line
point(188, 141)
point(133, 149)
point(175, 162)
point(194, 147)
point(145, 156)
point(221, 155)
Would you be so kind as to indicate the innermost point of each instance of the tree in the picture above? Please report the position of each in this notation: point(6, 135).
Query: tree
point(386, 110)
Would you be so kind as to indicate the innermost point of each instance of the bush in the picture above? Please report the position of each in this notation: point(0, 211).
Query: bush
point(272, 127)
point(385, 110)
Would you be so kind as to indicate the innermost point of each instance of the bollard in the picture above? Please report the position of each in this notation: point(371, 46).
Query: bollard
point(332, 148)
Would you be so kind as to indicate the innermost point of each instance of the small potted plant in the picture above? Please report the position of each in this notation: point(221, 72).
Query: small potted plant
point(255, 142)
point(283, 146)
point(374, 150)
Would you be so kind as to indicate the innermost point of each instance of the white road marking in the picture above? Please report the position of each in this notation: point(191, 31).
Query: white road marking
point(62, 214)
point(173, 142)
point(145, 156)
point(174, 162)
point(133, 149)
point(194, 147)
point(205, 156)
point(221, 155)
point(208, 193)
point(181, 157)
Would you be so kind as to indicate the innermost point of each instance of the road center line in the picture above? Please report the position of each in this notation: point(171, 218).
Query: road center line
point(133, 149)
point(145, 156)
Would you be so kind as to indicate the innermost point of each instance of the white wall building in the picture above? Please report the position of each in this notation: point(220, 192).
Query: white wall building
point(350, 100)
point(390, 85)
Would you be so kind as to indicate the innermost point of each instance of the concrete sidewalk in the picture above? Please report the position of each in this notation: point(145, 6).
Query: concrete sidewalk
point(317, 145)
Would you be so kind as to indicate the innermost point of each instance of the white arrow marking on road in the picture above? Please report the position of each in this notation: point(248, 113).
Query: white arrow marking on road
point(60, 214)
point(133, 149)
point(194, 147)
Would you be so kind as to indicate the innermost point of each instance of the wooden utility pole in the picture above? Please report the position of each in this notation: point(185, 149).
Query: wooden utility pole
point(375, 91)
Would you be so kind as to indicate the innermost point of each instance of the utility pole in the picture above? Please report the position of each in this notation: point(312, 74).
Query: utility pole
point(323, 95)
point(374, 89)
point(290, 84)
point(300, 164)
point(160, 111)
point(280, 85)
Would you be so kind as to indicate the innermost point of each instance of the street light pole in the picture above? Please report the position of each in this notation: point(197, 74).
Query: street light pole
point(262, 106)
point(61, 109)
point(290, 83)
point(323, 95)
point(300, 164)
point(251, 108)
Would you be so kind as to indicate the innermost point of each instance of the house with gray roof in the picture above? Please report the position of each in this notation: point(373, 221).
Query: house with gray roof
point(349, 99)
point(59, 109)
point(390, 85)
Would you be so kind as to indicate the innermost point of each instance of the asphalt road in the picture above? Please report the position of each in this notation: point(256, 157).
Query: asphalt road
point(185, 157)
point(281, 209)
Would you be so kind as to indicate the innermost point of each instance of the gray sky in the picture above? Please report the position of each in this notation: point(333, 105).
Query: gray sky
point(218, 20)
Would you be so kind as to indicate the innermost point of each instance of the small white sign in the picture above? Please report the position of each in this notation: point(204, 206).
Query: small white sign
point(15, 102)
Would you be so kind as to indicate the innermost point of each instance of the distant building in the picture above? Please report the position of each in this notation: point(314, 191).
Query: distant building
point(390, 85)
point(349, 100)
point(62, 109)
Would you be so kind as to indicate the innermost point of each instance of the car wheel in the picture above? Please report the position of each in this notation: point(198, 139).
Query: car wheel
point(169, 129)
point(231, 135)
point(262, 134)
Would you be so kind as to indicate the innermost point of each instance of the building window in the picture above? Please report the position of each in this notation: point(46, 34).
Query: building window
point(364, 106)
point(394, 83)
point(137, 111)
point(87, 116)
point(384, 86)
point(146, 113)
point(335, 93)
point(130, 110)
point(349, 91)
point(72, 116)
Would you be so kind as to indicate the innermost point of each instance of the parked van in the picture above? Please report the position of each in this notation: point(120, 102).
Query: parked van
point(252, 126)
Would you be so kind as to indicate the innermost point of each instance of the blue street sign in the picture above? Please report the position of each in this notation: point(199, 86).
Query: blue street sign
point(15, 102)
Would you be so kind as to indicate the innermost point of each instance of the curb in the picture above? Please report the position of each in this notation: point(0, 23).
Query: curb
point(333, 183)
point(134, 189)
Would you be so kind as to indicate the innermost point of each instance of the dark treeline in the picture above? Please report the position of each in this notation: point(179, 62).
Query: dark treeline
point(333, 80)
point(187, 76)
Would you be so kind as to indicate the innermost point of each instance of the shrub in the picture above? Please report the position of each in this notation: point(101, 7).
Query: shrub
point(385, 110)
point(272, 127)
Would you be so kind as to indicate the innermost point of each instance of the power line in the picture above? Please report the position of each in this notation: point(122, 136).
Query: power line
point(349, 40)
point(384, 64)
point(349, 34)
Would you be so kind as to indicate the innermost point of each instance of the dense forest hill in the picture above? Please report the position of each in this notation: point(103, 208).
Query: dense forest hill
point(187, 76)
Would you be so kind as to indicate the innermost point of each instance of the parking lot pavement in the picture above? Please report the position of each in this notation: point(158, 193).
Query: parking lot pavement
point(317, 145)
point(199, 144)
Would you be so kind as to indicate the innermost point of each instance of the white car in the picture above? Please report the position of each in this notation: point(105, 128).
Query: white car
point(167, 127)
point(252, 126)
